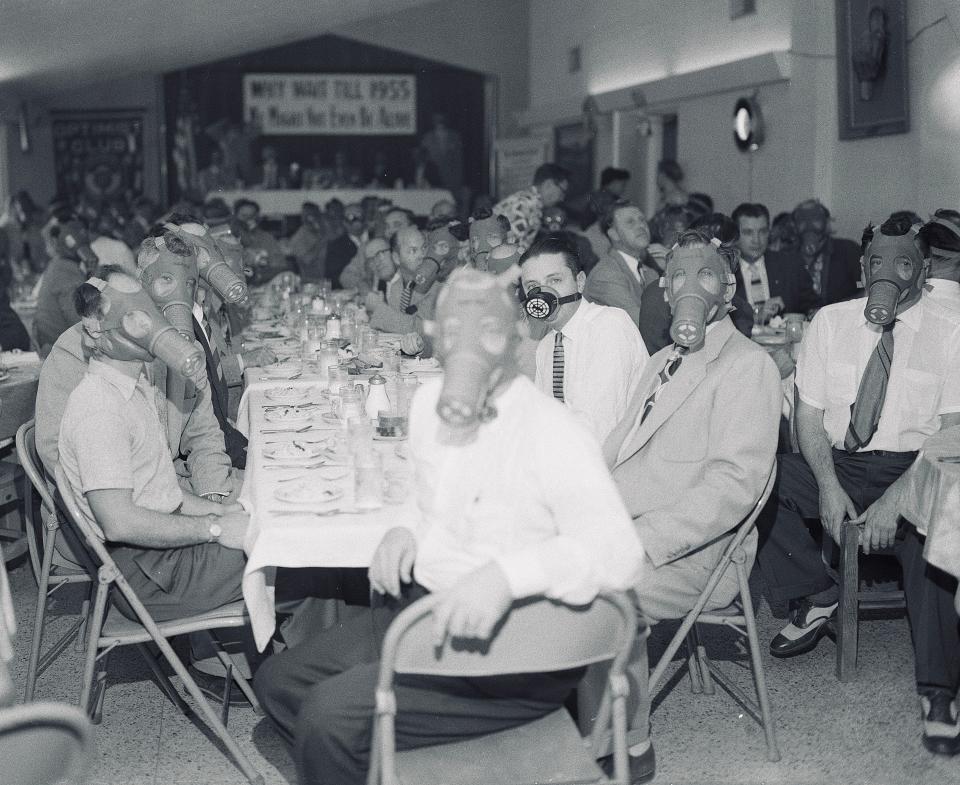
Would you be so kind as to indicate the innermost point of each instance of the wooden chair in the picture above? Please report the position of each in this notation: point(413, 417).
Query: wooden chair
point(107, 629)
point(52, 574)
point(739, 616)
point(536, 636)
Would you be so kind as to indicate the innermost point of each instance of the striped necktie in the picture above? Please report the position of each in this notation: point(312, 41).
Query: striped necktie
point(214, 354)
point(756, 284)
point(558, 367)
point(865, 411)
point(406, 296)
point(665, 375)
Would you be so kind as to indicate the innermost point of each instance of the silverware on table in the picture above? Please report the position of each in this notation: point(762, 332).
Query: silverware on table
point(318, 513)
point(949, 459)
point(302, 429)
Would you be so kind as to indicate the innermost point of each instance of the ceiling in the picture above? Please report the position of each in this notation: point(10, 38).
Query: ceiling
point(53, 44)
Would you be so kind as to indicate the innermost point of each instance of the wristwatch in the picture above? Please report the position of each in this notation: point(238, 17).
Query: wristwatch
point(214, 532)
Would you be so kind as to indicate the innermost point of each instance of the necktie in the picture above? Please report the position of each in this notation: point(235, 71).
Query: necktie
point(665, 375)
point(406, 296)
point(865, 411)
point(558, 367)
point(757, 295)
point(214, 354)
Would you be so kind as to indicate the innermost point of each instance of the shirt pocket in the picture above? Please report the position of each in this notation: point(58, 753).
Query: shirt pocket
point(921, 391)
point(842, 384)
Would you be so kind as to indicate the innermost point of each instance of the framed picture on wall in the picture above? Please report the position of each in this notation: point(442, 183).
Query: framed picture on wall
point(872, 68)
point(99, 154)
point(573, 149)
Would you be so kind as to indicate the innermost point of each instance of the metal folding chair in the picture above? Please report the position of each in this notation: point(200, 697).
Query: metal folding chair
point(43, 537)
point(107, 629)
point(739, 616)
point(536, 636)
point(45, 742)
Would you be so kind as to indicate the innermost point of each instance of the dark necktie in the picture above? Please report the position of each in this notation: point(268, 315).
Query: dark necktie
point(865, 411)
point(214, 354)
point(665, 375)
point(558, 367)
point(406, 296)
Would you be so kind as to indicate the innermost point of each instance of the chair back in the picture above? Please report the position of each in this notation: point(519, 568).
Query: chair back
point(80, 535)
point(32, 467)
point(44, 743)
point(748, 523)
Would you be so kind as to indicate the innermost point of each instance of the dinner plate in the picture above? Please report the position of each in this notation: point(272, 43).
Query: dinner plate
point(401, 452)
point(282, 370)
point(378, 438)
point(308, 492)
point(288, 394)
point(289, 414)
point(771, 340)
point(294, 451)
point(333, 473)
point(419, 364)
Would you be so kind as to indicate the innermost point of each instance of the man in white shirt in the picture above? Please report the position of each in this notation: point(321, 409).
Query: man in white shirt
point(942, 234)
point(591, 357)
point(875, 378)
point(514, 501)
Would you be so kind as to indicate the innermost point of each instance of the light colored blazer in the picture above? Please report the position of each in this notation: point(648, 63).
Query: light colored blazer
point(193, 433)
point(612, 282)
point(697, 465)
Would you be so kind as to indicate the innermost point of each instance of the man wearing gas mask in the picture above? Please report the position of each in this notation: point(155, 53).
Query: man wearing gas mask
point(589, 356)
point(556, 221)
point(72, 262)
point(263, 256)
point(515, 502)
point(181, 553)
point(487, 231)
point(875, 378)
point(833, 262)
point(411, 293)
point(942, 234)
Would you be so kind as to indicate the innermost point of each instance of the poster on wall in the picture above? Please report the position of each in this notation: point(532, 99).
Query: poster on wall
point(516, 161)
point(99, 154)
point(331, 104)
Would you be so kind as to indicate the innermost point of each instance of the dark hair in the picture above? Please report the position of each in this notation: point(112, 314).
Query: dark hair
point(693, 238)
point(893, 227)
point(556, 242)
point(612, 175)
point(671, 170)
point(310, 207)
point(481, 212)
point(718, 225)
point(808, 203)
point(606, 219)
point(910, 215)
point(664, 218)
point(177, 219)
point(699, 203)
point(460, 230)
point(216, 208)
point(946, 214)
point(437, 223)
point(938, 236)
point(391, 210)
point(245, 203)
point(551, 171)
point(86, 297)
point(750, 210)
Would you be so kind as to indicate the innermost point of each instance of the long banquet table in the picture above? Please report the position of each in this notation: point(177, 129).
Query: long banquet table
point(289, 202)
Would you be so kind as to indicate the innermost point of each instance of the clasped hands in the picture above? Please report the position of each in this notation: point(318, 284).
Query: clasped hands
point(469, 609)
point(879, 520)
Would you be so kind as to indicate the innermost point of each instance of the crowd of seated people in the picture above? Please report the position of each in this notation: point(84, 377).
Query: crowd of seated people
point(622, 351)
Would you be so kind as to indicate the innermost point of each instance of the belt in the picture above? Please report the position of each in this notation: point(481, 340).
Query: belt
point(882, 453)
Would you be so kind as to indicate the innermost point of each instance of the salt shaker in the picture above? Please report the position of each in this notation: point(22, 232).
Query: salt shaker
point(377, 399)
point(333, 326)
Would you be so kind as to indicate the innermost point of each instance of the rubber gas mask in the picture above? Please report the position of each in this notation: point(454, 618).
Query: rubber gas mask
point(211, 262)
point(131, 327)
point(543, 303)
point(439, 261)
point(485, 235)
point(893, 271)
point(699, 287)
point(72, 241)
point(812, 223)
point(500, 259)
point(168, 271)
point(475, 335)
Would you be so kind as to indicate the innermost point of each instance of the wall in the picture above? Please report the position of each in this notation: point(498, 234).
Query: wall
point(491, 37)
point(34, 170)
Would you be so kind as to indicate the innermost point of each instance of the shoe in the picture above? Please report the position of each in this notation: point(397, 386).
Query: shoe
point(643, 767)
point(941, 725)
point(212, 687)
point(809, 625)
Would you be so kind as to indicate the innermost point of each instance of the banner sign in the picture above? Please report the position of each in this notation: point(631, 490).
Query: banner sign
point(331, 104)
point(99, 154)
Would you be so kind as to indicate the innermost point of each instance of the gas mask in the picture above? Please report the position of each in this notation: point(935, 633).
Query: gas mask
point(441, 258)
point(699, 287)
point(500, 259)
point(73, 242)
point(485, 235)
point(475, 335)
point(543, 303)
point(168, 271)
point(211, 263)
point(229, 245)
point(811, 222)
point(132, 328)
point(893, 271)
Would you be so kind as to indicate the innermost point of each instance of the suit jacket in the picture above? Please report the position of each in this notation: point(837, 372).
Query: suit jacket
point(697, 465)
point(787, 278)
point(234, 441)
point(612, 282)
point(840, 279)
point(388, 316)
point(195, 440)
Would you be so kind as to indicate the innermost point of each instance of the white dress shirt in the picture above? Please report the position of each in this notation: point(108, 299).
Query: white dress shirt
point(758, 292)
point(603, 359)
point(634, 264)
point(943, 292)
point(531, 493)
point(924, 378)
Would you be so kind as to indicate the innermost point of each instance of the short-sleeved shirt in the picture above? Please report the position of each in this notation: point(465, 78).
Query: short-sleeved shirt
point(111, 437)
point(524, 210)
point(924, 380)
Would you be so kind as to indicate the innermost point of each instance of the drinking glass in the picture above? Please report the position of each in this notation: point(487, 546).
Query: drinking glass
point(390, 359)
point(396, 484)
point(368, 478)
point(359, 435)
point(337, 378)
point(759, 316)
point(349, 404)
point(794, 327)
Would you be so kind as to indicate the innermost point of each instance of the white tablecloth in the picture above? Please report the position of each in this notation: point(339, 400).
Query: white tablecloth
point(273, 540)
point(289, 202)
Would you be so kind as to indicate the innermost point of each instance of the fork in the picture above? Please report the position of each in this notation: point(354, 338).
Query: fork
point(304, 429)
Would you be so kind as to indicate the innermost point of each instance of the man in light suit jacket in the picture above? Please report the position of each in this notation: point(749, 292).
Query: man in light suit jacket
point(621, 275)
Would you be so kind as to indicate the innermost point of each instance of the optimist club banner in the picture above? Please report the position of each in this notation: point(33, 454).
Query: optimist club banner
point(331, 104)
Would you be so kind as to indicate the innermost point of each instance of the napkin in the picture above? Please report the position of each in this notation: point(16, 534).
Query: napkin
point(15, 358)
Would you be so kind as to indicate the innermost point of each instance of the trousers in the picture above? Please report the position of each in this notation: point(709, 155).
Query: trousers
point(320, 696)
point(790, 558)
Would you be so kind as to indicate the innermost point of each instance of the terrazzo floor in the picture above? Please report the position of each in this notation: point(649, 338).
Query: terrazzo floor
point(866, 732)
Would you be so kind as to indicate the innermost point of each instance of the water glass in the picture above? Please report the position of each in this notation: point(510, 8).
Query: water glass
point(794, 327)
point(349, 404)
point(368, 478)
point(390, 358)
point(359, 435)
point(396, 484)
point(337, 378)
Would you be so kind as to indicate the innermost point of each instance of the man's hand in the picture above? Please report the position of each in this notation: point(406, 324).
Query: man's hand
point(258, 358)
point(880, 522)
point(835, 506)
point(234, 526)
point(392, 563)
point(659, 254)
point(784, 360)
point(773, 306)
point(411, 344)
point(473, 606)
point(372, 300)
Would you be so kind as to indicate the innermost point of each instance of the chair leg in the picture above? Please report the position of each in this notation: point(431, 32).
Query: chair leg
point(849, 607)
point(760, 682)
point(93, 636)
point(84, 620)
point(164, 683)
point(703, 662)
point(693, 664)
point(43, 583)
point(242, 683)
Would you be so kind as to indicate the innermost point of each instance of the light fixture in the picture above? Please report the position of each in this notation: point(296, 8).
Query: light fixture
point(747, 125)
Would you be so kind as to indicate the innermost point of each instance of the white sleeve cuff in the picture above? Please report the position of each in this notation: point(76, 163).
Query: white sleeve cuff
point(524, 574)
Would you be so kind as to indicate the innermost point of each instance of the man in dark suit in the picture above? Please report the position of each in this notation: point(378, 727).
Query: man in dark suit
point(776, 280)
point(832, 262)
